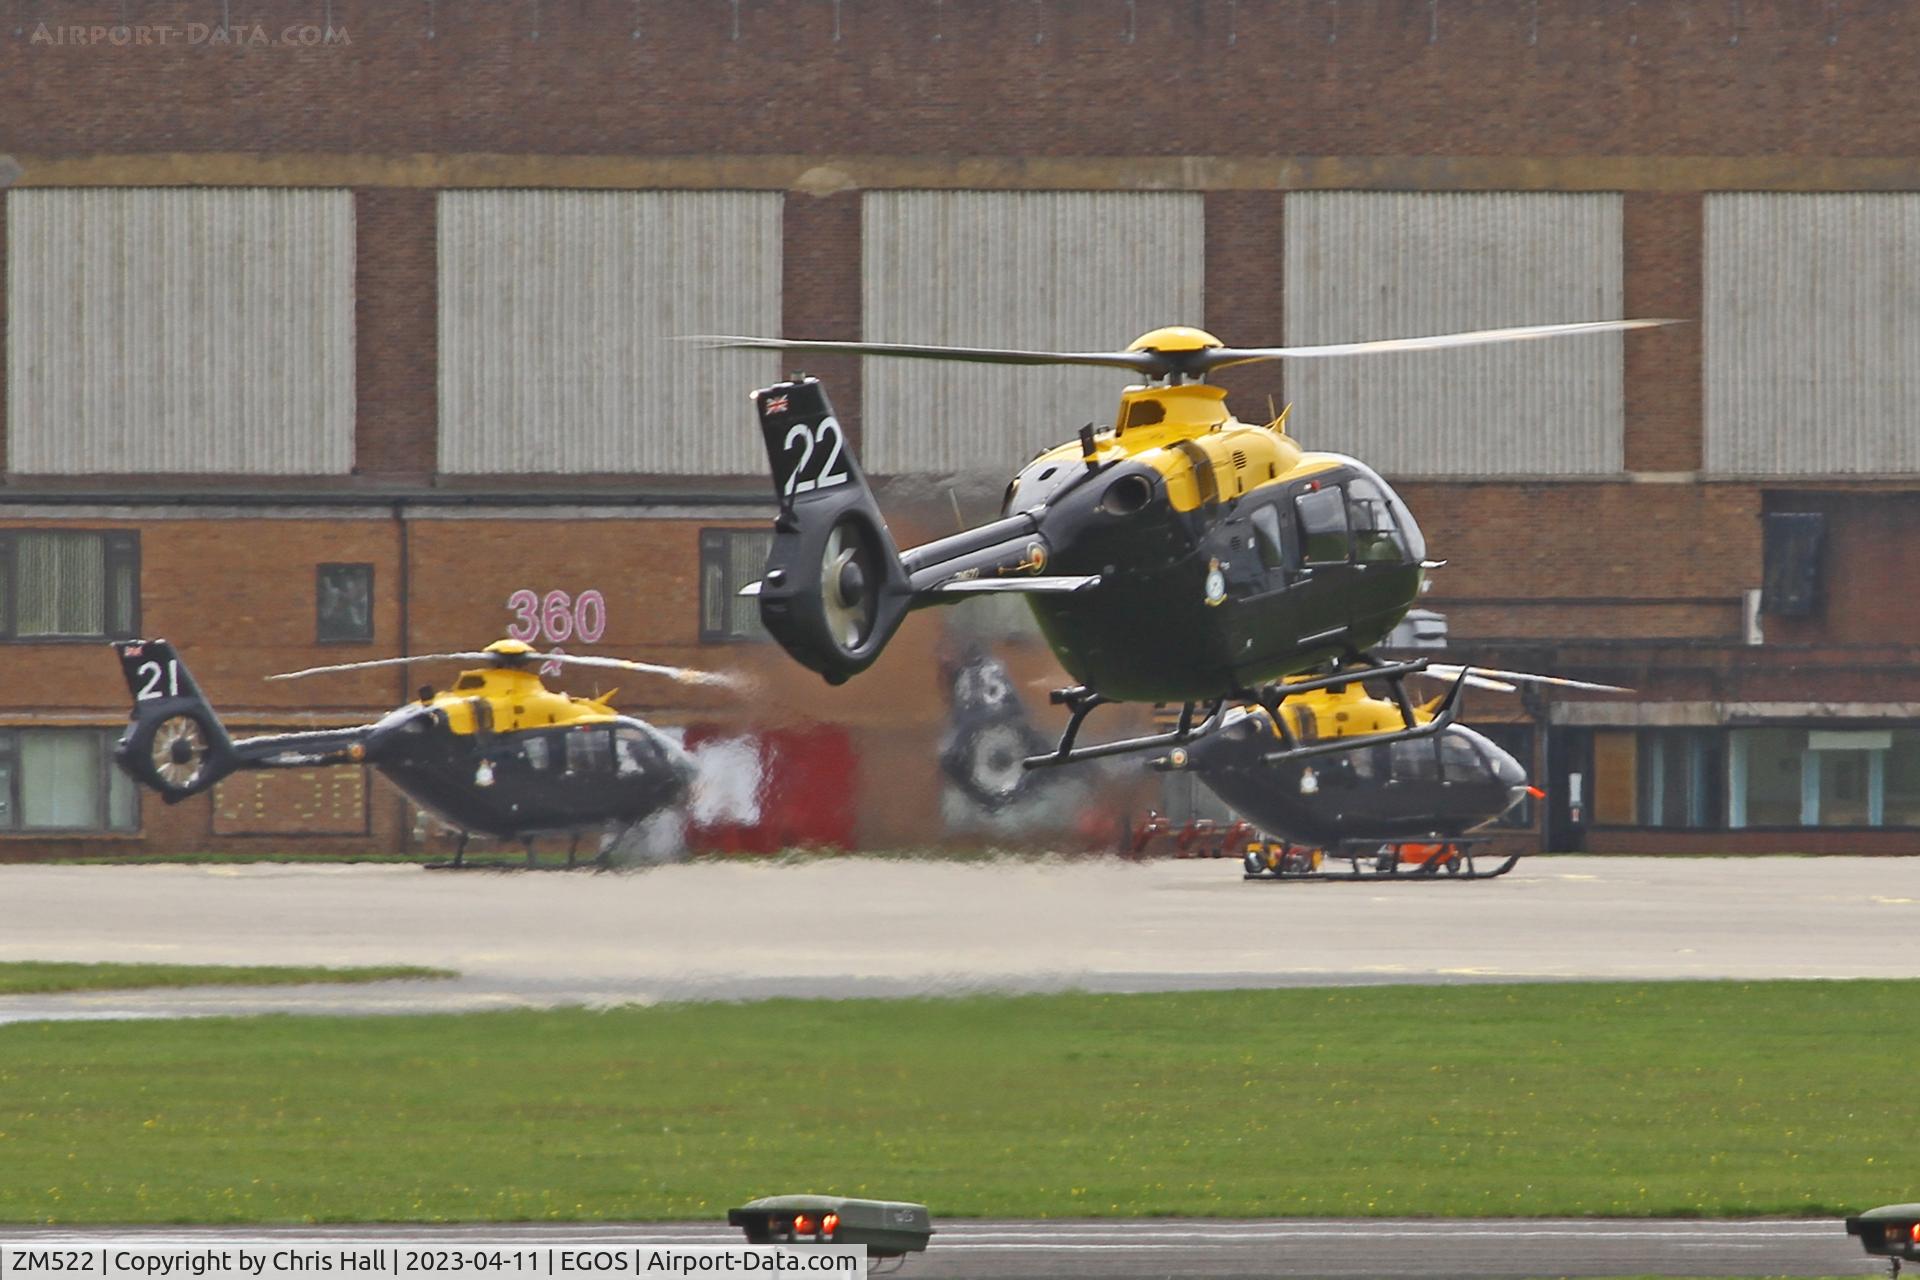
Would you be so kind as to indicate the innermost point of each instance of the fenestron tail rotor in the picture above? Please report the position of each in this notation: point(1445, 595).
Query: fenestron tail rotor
point(514, 654)
point(179, 751)
point(1178, 351)
point(848, 577)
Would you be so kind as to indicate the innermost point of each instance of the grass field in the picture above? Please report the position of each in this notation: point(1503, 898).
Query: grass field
point(34, 977)
point(1681, 1098)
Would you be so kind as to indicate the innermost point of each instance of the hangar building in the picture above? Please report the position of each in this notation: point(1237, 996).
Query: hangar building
point(340, 330)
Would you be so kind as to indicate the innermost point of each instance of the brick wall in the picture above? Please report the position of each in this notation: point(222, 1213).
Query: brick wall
point(1555, 544)
point(820, 292)
point(1663, 235)
point(396, 317)
point(1246, 287)
point(1009, 77)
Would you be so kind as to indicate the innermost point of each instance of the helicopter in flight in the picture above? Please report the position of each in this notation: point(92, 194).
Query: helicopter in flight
point(498, 754)
point(1178, 555)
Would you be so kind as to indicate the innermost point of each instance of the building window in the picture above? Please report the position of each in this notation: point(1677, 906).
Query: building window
point(1791, 544)
point(69, 584)
point(1839, 777)
point(1680, 772)
point(64, 780)
point(729, 560)
point(343, 603)
point(1900, 780)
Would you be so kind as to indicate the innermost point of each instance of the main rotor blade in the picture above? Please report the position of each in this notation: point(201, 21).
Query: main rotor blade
point(1470, 679)
point(1528, 677)
point(685, 675)
point(1222, 357)
point(1160, 364)
point(387, 662)
point(1148, 362)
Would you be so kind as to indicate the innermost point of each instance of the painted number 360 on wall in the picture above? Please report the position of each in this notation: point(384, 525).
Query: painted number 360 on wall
point(557, 617)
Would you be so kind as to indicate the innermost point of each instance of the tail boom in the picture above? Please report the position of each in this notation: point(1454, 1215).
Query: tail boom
point(176, 744)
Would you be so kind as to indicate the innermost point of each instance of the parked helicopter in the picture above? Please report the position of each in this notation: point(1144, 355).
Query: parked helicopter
point(1414, 797)
point(498, 754)
point(1180, 555)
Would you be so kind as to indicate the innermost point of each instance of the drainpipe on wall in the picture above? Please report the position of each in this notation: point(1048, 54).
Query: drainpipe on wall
point(405, 587)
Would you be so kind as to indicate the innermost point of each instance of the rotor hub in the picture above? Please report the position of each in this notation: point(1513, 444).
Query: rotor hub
point(853, 582)
point(1173, 338)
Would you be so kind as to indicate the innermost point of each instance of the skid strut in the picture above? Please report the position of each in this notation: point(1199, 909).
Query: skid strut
point(1377, 861)
point(1080, 702)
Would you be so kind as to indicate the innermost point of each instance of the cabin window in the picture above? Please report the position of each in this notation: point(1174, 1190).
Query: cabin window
point(537, 752)
point(1459, 762)
point(1323, 526)
point(1414, 760)
point(589, 751)
point(633, 751)
point(1375, 539)
point(1267, 537)
point(1342, 770)
point(1373, 764)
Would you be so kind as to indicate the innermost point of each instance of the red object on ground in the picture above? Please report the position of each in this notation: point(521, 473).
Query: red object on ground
point(805, 792)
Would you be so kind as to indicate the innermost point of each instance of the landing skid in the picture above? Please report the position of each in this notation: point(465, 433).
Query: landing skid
point(1080, 702)
point(1448, 861)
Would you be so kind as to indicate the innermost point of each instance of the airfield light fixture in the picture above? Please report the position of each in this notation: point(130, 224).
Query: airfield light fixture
point(888, 1228)
point(1892, 1232)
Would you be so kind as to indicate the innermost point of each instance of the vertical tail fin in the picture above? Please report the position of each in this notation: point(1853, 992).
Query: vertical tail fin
point(174, 742)
point(834, 590)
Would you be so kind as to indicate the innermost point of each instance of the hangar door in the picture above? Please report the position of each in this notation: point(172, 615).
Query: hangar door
point(1045, 270)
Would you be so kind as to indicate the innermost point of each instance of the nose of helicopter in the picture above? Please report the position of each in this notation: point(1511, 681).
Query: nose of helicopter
point(1508, 773)
point(680, 764)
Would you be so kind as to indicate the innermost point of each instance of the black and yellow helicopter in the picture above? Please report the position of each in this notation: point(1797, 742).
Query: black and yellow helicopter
point(1179, 555)
point(498, 754)
point(1410, 803)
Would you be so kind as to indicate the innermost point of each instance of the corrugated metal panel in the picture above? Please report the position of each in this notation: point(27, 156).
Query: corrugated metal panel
point(1383, 265)
point(1812, 340)
point(1062, 271)
point(557, 314)
point(180, 331)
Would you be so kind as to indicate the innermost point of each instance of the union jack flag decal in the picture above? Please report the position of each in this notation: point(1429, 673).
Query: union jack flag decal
point(776, 404)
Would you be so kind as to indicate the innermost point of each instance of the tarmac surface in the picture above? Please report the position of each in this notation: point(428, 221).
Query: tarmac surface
point(1383, 1247)
point(869, 926)
point(842, 927)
